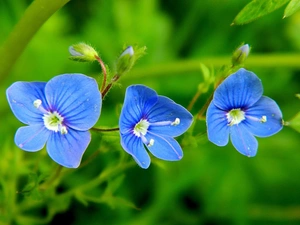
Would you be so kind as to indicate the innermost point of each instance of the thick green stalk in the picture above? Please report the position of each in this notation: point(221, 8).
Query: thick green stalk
point(193, 65)
point(34, 17)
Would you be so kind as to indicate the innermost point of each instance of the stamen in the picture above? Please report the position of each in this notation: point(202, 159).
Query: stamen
point(37, 103)
point(176, 122)
point(144, 139)
point(63, 130)
point(263, 119)
point(141, 128)
point(166, 123)
point(151, 143)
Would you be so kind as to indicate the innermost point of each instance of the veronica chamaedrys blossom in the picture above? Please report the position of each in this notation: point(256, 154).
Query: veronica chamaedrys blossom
point(151, 121)
point(239, 111)
point(59, 113)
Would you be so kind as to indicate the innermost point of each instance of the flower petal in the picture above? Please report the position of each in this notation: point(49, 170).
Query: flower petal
point(32, 138)
point(138, 100)
point(217, 125)
point(135, 147)
point(264, 107)
point(167, 110)
point(76, 98)
point(21, 95)
point(166, 148)
point(239, 90)
point(67, 149)
point(243, 140)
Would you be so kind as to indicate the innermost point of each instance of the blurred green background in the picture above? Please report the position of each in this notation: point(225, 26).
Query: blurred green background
point(210, 185)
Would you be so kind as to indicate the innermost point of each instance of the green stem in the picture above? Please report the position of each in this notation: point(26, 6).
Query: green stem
point(109, 86)
point(193, 101)
point(186, 66)
point(200, 114)
point(105, 129)
point(105, 175)
point(103, 71)
point(34, 17)
point(54, 177)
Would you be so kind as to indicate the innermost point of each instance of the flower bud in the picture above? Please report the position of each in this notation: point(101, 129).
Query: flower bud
point(125, 61)
point(240, 55)
point(82, 52)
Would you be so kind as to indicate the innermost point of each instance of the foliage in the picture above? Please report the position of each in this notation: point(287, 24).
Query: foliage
point(259, 8)
point(189, 51)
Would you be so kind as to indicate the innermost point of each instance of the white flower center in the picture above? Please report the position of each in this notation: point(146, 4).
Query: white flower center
point(235, 116)
point(53, 121)
point(141, 128)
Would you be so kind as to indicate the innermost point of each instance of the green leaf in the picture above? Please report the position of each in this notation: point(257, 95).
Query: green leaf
point(295, 122)
point(31, 188)
point(291, 8)
point(256, 9)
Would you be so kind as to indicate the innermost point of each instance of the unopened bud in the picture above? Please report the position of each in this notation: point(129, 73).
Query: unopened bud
point(82, 52)
point(125, 61)
point(240, 55)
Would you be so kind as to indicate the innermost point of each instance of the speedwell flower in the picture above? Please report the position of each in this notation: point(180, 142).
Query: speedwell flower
point(239, 110)
point(59, 112)
point(151, 121)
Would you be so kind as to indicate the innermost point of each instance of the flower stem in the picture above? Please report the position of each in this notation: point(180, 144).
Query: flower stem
point(34, 17)
point(188, 66)
point(104, 72)
point(108, 87)
point(203, 108)
point(108, 173)
point(89, 159)
point(193, 101)
point(53, 178)
point(105, 130)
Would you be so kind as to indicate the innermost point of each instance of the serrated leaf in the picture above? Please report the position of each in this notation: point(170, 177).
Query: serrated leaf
point(256, 9)
point(295, 122)
point(291, 8)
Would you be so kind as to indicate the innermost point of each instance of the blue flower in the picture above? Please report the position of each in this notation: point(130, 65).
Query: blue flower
point(59, 112)
point(152, 121)
point(239, 110)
